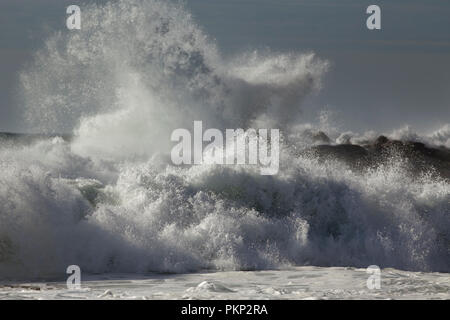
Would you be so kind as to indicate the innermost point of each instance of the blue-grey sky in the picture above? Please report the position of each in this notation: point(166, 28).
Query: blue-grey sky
point(379, 79)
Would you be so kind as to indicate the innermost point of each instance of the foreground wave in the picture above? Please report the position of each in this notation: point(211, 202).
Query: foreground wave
point(306, 283)
point(58, 208)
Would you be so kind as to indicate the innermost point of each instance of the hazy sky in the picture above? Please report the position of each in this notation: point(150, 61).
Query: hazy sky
point(379, 79)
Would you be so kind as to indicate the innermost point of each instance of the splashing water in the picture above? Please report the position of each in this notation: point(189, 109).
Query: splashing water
point(110, 201)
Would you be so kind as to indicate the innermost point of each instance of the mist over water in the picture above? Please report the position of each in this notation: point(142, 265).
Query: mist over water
point(110, 200)
point(140, 69)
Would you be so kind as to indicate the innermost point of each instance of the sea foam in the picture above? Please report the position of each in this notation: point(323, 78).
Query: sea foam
point(109, 200)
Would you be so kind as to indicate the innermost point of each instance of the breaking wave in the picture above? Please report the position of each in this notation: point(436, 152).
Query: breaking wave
point(109, 200)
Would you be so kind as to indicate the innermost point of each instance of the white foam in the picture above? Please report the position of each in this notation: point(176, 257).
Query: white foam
point(111, 202)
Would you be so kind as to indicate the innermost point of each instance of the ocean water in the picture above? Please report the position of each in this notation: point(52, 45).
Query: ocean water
point(109, 199)
point(299, 283)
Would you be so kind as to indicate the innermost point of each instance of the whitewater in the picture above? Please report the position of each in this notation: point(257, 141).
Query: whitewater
point(106, 197)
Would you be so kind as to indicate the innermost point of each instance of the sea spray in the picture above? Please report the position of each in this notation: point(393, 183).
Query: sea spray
point(110, 200)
